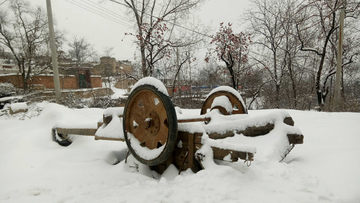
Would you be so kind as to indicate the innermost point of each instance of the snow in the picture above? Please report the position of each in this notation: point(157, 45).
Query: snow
point(64, 117)
point(118, 93)
point(18, 106)
point(224, 102)
point(10, 98)
point(151, 81)
point(117, 111)
point(112, 130)
point(228, 89)
point(272, 146)
point(33, 168)
point(144, 152)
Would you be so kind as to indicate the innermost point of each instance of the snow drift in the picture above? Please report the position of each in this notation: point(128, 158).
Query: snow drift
point(33, 168)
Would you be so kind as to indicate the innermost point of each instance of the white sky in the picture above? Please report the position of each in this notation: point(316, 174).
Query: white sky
point(101, 32)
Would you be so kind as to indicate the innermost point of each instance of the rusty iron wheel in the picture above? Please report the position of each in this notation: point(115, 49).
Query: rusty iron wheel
point(150, 117)
point(238, 107)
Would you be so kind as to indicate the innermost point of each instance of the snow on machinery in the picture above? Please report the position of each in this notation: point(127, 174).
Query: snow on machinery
point(157, 134)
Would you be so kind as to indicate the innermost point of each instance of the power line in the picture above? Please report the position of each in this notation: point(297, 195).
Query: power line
point(107, 10)
point(99, 13)
point(3, 2)
point(175, 24)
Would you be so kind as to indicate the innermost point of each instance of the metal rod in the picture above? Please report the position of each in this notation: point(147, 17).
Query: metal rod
point(109, 138)
point(77, 131)
point(207, 119)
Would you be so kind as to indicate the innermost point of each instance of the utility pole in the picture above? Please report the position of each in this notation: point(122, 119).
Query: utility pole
point(53, 52)
point(339, 60)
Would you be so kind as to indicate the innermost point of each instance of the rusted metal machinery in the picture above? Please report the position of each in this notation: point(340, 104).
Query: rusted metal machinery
point(157, 134)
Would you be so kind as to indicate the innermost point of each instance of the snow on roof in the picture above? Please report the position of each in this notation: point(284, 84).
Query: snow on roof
point(7, 74)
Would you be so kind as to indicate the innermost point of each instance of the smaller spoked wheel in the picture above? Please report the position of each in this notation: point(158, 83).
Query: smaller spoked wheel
point(62, 139)
point(226, 99)
point(150, 125)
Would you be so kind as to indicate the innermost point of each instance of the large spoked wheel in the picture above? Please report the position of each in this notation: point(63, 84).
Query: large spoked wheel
point(233, 97)
point(150, 125)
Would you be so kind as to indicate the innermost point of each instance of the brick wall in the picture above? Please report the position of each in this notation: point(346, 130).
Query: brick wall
point(66, 82)
point(11, 78)
point(96, 81)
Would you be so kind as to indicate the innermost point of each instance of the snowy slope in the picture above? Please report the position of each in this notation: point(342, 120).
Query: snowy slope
point(33, 168)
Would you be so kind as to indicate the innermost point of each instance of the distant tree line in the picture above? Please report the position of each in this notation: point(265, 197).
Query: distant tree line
point(291, 60)
point(295, 43)
point(24, 39)
point(285, 57)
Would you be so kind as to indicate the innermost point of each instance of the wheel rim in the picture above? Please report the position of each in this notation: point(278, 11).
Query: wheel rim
point(150, 117)
point(147, 122)
point(238, 107)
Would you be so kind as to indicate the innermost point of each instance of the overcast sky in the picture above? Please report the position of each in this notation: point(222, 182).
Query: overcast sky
point(78, 17)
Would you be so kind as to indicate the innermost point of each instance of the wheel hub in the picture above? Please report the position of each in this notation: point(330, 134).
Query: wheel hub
point(152, 123)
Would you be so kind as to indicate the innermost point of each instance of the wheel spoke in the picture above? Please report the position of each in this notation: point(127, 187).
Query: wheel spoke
point(136, 119)
point(151, 143)
point(141, 137)
point(160, 110)
point(163, 134)
point(137, 127)
point(147, 101)
point(138, 104)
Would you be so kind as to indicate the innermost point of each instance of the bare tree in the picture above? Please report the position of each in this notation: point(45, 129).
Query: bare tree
point(80, 50)
point(266, 25)
point(108, 51)
point(315, 28)
point(155, 22)
point(212, 74)
point(184, 58)
point(25, 36)
point(296, 43)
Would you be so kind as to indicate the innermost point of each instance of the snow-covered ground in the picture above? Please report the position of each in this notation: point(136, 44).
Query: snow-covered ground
point(33, 168)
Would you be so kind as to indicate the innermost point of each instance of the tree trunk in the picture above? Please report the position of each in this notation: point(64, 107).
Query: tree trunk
point(292, 81)
point(232, 76)
point(277, 96)
point(277, 84)
point(143, 60)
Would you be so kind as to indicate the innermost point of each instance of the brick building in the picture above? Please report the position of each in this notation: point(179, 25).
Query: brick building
point(72, 76)
point(109, 67)
point(47, 81)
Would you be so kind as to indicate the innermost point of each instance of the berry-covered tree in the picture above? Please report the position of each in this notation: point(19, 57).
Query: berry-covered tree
point(231, 48)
